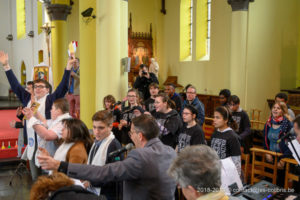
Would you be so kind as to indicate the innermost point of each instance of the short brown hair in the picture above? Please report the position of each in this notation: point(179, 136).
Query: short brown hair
point(46, 83)
point(110, 98)
point(62, 104)
point(166, 98)
point(103, 116)
point(147, 125)
point(155, 85)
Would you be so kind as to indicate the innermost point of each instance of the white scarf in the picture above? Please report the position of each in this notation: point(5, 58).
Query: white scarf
point(43, 143)
point(100, 157)
point(30, 149)
point(62, 151)
point(59, 119)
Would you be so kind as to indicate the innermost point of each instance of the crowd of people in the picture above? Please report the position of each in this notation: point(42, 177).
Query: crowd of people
point(164, 126)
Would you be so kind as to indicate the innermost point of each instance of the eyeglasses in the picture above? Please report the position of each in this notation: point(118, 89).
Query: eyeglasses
point(131, 96)
point(185, 113)
point(232, 104)
point(39, 86)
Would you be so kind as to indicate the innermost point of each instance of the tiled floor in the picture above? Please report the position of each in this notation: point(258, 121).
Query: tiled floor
point(20, 187)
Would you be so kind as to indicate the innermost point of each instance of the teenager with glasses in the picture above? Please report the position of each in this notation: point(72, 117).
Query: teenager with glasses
point(191, 133)
point(192, 99)
point(127, 114)
point(42, 100)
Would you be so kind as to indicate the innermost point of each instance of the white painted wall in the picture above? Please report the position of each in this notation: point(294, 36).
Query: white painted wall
point(5, 45)
point(20, 50)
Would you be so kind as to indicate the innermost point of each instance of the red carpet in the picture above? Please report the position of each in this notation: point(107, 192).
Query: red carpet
point(8, 134)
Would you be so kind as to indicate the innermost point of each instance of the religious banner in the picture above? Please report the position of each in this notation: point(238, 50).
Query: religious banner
point(42, 71)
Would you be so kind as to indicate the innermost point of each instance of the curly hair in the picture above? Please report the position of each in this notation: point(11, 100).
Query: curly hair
point(44, 185)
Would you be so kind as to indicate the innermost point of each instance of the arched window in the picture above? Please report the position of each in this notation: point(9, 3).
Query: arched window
point(21, 19)
point(186, 29)
point(23, 74)
point(202, 26)
point(203, 29)
point(41, 56)
point(40, 16)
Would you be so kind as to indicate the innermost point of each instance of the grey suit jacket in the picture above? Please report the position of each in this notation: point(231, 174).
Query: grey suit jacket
point(144, 172)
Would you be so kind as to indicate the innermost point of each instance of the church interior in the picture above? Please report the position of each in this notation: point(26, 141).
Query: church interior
point(251, 47)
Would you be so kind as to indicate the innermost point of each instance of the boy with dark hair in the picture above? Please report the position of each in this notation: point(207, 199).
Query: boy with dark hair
point(149, 103)
point(282, 97)
point(170, 91)
point(105, 143)
point(224, 96)
point(242, 120)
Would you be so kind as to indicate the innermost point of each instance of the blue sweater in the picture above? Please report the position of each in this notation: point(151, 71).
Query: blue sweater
point(200, 108)
point(24, 96)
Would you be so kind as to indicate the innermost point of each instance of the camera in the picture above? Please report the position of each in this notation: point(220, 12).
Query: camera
point(144, 73)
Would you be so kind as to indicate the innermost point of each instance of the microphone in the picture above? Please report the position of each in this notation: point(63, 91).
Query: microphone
point(121, 150)
point(285, 136)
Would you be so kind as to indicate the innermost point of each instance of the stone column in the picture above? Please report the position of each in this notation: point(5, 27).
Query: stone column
point(58, 15)
point(238, 55)
point(88, 54)
point(112, 45)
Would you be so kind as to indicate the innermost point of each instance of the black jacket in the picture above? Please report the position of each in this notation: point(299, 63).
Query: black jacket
point(74, 192)
point(142, 84)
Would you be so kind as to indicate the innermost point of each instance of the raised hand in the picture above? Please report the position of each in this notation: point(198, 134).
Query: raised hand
point(4, 60)
point(3, 57)
point(71, 61)
point(12, 124)
point(19, 110)
point(28, 113)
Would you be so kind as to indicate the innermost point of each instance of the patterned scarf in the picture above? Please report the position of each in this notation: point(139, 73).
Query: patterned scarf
point(276, 121)
point(285, 124)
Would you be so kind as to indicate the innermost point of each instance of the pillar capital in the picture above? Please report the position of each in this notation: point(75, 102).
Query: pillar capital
point(58, 11)
point(239, 5)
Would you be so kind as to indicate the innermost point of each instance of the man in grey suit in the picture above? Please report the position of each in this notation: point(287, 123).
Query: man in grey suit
point(144, 171)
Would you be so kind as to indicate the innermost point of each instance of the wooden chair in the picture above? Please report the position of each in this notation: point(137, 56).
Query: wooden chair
point(258, 166)
point(255, 117)
point(208, 129)
point(288, 175)
point(245, 166)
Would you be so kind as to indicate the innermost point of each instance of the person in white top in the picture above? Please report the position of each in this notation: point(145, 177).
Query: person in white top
point(49, 131)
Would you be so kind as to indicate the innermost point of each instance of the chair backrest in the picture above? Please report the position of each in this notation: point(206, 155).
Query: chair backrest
point(257, 138)
point(245, 165)
point(259, 165)
point(208, 130)
point(289, 175)
point(255, 117)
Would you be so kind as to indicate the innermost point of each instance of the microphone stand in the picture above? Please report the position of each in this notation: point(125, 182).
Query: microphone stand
point(118, 194)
